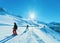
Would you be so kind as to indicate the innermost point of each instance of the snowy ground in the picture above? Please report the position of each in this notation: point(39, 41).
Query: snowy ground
point(32, 35)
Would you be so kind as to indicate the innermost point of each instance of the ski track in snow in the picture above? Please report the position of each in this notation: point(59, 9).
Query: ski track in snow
point(52, 33)
point(37, 38)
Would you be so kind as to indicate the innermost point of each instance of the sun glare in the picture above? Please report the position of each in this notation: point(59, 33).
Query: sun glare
point(32, 16)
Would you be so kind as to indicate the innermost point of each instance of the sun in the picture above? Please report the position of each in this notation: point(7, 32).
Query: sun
point(32, 16)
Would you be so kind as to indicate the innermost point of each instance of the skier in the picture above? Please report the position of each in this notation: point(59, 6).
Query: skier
point(14, 29)
point(27, 27)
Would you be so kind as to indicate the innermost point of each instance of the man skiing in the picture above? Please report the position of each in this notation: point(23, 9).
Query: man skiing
point(14, 29)
point(27, 27)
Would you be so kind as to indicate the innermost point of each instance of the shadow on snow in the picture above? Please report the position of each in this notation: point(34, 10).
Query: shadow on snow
point(37, 38)
point(7, 38)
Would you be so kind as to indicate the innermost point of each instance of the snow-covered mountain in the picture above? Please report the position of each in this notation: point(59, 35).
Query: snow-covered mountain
point(9, 19)
point(55, 26)
point(38, 32)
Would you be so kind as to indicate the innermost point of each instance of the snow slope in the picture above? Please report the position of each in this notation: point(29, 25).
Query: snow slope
point(35, 34)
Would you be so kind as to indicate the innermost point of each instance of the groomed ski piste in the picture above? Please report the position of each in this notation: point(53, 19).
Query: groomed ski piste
point(35, 33)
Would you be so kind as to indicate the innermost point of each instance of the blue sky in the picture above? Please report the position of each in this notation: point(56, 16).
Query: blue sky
point(45, 10)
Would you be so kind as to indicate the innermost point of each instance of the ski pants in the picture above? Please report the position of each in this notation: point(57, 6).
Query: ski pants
point(14, 31)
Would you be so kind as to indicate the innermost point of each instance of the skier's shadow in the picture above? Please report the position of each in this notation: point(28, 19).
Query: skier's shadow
point(26, 30)
point(7, 38)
